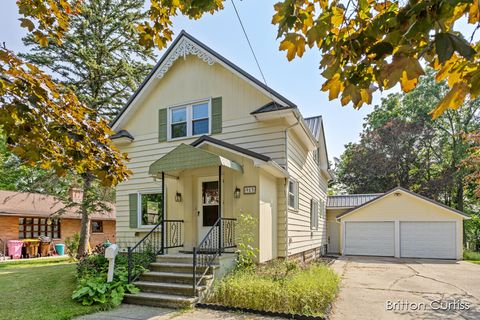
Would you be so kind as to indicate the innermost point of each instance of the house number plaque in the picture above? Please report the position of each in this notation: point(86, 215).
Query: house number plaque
point(249, 190)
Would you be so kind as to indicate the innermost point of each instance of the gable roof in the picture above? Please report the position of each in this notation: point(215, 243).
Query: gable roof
point(122, 134)
point(205, 53)
point(271, 106)
point(40, 205)
point(350, 200)
point(465, 216)
point(208, 139)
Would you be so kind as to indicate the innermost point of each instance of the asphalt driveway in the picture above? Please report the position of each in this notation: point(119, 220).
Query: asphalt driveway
point(387, 288)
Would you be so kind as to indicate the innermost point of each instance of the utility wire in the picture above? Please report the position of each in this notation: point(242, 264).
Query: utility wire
point(253, 52)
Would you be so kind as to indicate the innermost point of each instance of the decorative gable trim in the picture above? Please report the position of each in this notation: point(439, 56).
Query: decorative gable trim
point(184, 48)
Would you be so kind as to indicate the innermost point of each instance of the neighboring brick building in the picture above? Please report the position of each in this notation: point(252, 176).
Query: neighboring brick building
point(30, 215)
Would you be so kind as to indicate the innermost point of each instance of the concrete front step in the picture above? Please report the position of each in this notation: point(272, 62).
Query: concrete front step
point(159, 300)
point(176, 258)
point(176, 267)
point(172, 277)
point(168, 288)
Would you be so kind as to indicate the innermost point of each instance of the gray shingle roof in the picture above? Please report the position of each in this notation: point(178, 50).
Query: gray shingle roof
point(350, 200)
point(122, 134)
point(271, 106)
point(315, 125)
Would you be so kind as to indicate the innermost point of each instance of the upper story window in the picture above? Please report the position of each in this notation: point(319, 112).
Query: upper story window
point(189, 120)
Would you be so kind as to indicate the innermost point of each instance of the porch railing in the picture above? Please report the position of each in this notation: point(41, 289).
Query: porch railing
point(220, 237)
point(166, 234)
point(3, 250)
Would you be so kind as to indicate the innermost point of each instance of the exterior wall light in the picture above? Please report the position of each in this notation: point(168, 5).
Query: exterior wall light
point(178, 197)
point(236, 193)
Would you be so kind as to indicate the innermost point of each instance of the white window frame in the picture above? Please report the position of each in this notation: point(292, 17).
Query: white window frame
point(314, 211)
point(189, 120)
point(139, 206)
point(295, 194)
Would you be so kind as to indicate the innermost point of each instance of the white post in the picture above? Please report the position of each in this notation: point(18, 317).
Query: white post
point(110, 254)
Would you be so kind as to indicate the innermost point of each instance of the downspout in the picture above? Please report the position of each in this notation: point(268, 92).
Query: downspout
point(285, 188)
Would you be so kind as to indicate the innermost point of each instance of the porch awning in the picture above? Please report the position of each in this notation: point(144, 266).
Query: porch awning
point(188, 157)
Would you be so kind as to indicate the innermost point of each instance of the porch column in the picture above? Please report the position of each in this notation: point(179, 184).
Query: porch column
point(164, 215)
point(220, 210)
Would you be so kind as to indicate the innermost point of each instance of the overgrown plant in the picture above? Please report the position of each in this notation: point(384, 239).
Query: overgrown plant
point(71, 243)
point(246, 253)
point(280, 286)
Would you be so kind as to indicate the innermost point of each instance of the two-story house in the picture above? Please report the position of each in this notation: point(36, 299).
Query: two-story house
point(208, 142)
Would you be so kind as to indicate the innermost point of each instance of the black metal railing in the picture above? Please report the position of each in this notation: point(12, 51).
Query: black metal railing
point(221, 236)
point(166, 234)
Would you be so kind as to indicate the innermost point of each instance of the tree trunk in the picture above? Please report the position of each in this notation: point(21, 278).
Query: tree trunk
point(459, 195)
point(85, 223)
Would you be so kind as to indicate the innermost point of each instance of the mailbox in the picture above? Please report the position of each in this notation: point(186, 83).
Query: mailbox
point(110, 253)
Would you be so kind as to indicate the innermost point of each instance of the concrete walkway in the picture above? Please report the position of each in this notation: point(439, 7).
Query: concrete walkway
point(388, 288)
point(133, 312)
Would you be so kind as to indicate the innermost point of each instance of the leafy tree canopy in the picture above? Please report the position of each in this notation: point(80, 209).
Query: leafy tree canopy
point(402, 145)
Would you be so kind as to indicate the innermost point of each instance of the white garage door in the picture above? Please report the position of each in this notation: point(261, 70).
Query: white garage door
point(427, 240)
point(370, 238)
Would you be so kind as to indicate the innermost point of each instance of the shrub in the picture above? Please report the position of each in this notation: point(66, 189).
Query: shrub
point(470, 255)
point(280, 287)
point(96, 289)
point(246, 253)
point(93, 288)
point(71, 243)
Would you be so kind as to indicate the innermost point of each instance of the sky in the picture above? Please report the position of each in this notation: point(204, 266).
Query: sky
point(299, 80)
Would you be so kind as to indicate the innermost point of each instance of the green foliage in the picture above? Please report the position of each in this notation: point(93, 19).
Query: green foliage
point(99, 57)
point(246, 253)
point(71, 243)
point(39, 289)
point(92, 287)
point(281, 286)
point(402, 145)
point(472, 232)
point(472, 256)
point(96, 289)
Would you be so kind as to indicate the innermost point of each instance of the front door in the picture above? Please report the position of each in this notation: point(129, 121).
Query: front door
point(208, 200)
point(333, 235)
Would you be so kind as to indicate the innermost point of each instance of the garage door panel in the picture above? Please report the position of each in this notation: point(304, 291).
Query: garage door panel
point(370, 238)
point(428, 240)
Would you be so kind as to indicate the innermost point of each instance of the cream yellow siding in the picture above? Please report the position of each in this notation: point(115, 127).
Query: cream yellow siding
point(402, 206)
point(187, 80)
point(312, 185)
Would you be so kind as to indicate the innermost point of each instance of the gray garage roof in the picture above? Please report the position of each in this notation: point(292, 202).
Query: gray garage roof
point(350, 200)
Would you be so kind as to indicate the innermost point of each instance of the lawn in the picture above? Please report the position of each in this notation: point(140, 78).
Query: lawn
point(281, 287)
point(473, 257)
point(39, 289)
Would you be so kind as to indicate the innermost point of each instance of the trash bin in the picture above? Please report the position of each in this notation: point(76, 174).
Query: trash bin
point(60, 248)
point(45, 246)
point(31, 246)
point(15, 248)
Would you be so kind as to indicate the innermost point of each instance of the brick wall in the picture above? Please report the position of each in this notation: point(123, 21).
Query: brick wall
point(9, 230)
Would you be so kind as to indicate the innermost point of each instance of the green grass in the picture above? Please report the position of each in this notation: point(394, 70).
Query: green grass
point(471, 256)
point(22, 263)
point(307, 291)
point(39, 289)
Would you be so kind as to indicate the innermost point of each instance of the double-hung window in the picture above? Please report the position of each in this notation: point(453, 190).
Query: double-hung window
point(150, 208)
point(189, 120)
point(314, 214)
point(293, 194)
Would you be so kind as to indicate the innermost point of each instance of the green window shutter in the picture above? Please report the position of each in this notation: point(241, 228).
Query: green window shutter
point(217, 115)
point(133, 202)
point(162, 125)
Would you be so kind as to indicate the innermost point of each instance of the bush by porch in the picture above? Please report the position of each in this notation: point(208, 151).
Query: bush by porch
point(280, 286)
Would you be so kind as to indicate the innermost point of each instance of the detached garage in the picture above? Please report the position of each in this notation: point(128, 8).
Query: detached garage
point(401, 223)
